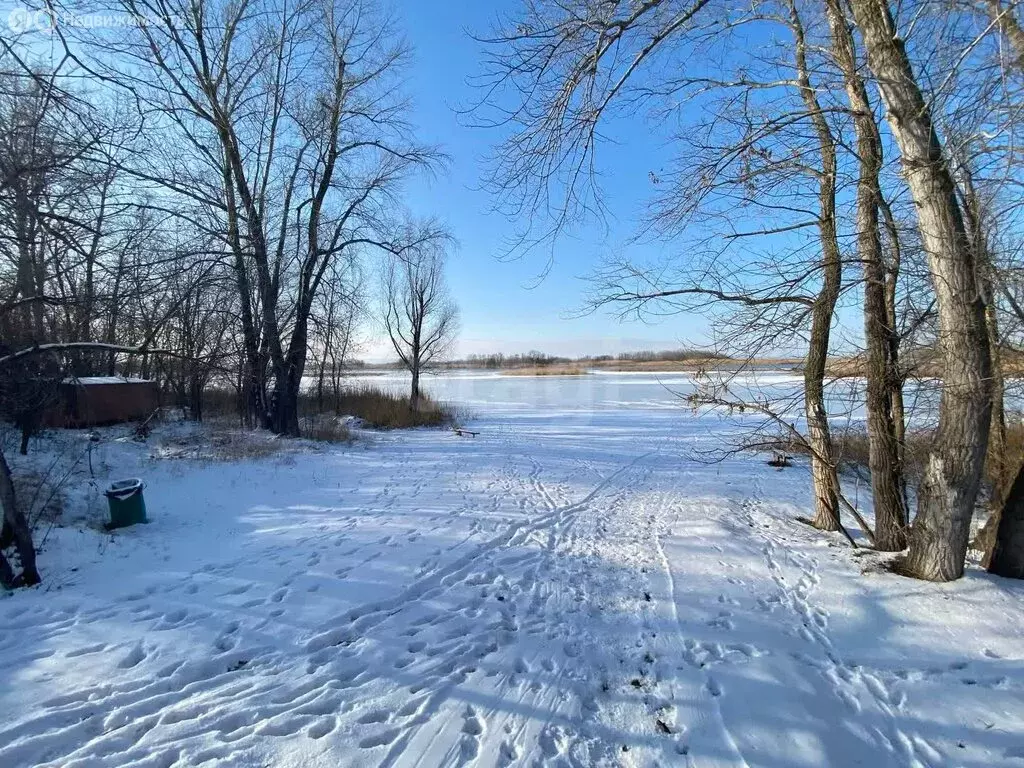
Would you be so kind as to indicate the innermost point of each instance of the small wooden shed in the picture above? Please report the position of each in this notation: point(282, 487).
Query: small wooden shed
point(90, 401)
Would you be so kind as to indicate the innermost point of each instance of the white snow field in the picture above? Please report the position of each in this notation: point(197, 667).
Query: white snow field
point(570, 588)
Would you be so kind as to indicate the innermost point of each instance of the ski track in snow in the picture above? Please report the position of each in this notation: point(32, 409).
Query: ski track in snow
point(555, 594)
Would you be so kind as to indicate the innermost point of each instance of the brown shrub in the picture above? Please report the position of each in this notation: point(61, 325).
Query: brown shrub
point(376, 408)
point(385, 410)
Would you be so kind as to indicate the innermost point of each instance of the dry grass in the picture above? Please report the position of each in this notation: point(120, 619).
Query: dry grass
point(325, 429)
point(547, 370)
point(384, 410)
point(921, 363)
point(40, 494)
point(376, 409)
point(852, 448)
point(221, 439)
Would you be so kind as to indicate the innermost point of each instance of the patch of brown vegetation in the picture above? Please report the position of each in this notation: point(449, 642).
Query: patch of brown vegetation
point(323, 428)
point(852, 448)
point(923, 363)
point(547, 370)
point(221, 439)
point(375, 408)
point(385, 410)
point(697, 364)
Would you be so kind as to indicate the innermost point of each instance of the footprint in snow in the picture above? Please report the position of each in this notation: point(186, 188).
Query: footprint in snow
point(473, 725)
point(133, 658)
point(412, 707)
point(381, 739)
point(507, 753)
point(374, 716)
point(86, 650)
point(322, 727)
point(227, 639)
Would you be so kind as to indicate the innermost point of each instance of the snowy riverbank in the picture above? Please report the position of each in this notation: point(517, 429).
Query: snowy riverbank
point(571, 587)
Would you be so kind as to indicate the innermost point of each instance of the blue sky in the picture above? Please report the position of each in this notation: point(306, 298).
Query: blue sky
point(504, 308)
point(500, 310)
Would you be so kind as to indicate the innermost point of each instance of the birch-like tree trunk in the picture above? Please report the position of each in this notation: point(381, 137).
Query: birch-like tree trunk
point(952, 475)
point(823, 465)
point(883, 444)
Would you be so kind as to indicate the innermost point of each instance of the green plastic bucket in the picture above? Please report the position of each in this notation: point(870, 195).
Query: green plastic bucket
point(127, 507)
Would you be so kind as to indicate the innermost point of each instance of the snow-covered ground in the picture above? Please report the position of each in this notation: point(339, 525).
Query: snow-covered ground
point(570, 588)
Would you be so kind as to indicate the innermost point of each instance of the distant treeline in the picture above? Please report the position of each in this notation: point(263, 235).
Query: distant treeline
point(669, 355)
point(499, 360)
point(534, 358)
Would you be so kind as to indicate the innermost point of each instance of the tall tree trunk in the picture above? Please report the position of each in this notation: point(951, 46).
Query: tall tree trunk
point(999, 467)
point(997, 453)
point(998, 459)
point(7, 577)
point(823, 465)
point(289, 366)
point(18, 525)
point(996, 532)
point(266, 277)
point(286, 403)
point(254, 390)
point(288, 386)
point(1007, 557)
point(25, 234)
point(883, 443)
point(952, 476)
point(1007, 24)
point(998, 463)
point(898, 378)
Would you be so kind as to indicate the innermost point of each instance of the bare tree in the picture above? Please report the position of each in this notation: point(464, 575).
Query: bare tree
point(880, 333)
point(949, 489)
point(823, 463)
point(294, 142)
point(1003, 534)
point(335, 322)
point(418, 312)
